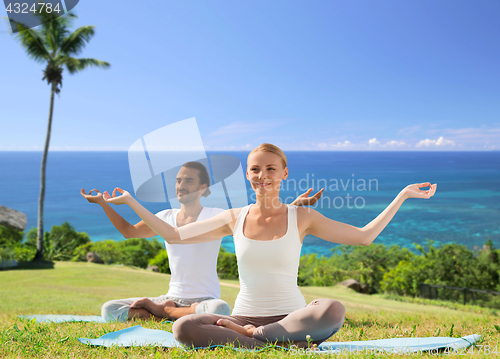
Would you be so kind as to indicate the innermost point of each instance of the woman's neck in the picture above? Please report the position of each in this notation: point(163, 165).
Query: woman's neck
point(269, 205)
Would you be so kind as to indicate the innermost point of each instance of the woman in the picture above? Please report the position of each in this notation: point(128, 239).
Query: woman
point(268, 237)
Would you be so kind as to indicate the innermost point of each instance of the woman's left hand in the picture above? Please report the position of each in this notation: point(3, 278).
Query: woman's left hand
point(305, 200)
point(414, 191)
point(123, 199)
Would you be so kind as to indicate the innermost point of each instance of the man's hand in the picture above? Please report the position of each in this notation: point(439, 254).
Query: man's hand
point(414, 191)
point(123, 199)
point(305, 200)
point(97, 198)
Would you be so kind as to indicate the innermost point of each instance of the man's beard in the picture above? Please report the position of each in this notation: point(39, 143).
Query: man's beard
point(187, 196)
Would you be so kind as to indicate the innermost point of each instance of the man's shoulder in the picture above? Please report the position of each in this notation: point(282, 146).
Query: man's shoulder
point(167, 212)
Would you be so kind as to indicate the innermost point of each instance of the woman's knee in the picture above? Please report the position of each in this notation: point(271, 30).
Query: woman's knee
point(183, 329)
point(187, 329)
point(330, 309)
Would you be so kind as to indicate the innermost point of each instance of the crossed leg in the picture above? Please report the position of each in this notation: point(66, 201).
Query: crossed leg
point(145, 308)
point(320, 319)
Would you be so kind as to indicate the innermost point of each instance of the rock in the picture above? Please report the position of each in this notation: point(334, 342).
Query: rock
point(352, 283)
point(93, 257)
point(12, 218)
point(364, 288)
point(153, 268)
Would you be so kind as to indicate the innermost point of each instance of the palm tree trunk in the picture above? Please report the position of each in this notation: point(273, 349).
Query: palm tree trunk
point(41, 198)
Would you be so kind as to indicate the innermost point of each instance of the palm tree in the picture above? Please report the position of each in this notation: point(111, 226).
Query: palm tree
point(54, 45)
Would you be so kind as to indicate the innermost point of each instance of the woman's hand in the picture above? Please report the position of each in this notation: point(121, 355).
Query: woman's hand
point(123, 199)
point(414, 191)
point(97, 198)
point(305, 200)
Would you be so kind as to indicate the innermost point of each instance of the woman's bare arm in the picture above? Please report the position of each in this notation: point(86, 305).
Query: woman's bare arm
point(338, 232)
point(198, 232)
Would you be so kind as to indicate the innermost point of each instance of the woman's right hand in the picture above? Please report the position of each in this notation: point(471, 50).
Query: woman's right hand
point(124, 198)
point(414, 191)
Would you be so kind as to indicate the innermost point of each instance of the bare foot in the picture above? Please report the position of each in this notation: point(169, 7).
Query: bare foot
point(141, 303)
point(246, 330)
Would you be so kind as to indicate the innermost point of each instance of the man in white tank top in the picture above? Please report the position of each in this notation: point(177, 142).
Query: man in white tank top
point(194, 285)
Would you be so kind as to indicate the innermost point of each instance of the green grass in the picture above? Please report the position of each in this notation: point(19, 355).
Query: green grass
point(81, 288)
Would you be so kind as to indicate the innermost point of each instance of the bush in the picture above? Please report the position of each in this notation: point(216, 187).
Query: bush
point(133, 251)
point(227, 266)
point(10, 237)
point(320, 271)
point(108, 250)
point(365, 264)
point(451, 265)
point(12, 247)
point(60, 242)
point(161, 260)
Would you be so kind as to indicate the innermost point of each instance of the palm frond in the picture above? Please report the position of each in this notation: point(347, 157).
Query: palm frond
point(76, 41)
point(55, 29)
point(76, 65)
point(32, 42)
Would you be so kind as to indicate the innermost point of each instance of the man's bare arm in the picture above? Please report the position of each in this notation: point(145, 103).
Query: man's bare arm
point(139, 230)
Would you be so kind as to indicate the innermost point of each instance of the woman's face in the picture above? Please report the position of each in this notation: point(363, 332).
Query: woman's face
point(265, 172)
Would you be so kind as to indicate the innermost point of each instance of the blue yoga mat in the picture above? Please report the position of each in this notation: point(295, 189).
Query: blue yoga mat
point(62, 318)
point(139, 336)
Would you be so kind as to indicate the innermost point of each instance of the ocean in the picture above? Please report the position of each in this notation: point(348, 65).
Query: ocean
point(358, 186)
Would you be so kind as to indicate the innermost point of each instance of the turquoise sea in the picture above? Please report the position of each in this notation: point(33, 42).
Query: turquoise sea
point(359, 185)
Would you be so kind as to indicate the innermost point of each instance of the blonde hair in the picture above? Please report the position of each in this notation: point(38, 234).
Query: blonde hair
point(267, 147)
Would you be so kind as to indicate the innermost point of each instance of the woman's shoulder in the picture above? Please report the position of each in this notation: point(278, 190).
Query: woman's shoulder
point(305, 212)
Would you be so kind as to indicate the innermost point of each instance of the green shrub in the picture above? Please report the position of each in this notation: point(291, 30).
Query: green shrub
point(108, 250)
point(10, 237)
point(60, 242)
point(319, 271)
point(133, 251)
point(365, 264)
point(450, 265)
point(227, 266)
point(23, 253)
point(161, 260)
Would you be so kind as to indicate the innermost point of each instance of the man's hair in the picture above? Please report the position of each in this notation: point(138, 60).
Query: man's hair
point(202, 174)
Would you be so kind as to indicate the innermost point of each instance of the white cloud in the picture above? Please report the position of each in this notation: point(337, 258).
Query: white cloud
point(373, 141)
point(440, 142)
point(395, 143)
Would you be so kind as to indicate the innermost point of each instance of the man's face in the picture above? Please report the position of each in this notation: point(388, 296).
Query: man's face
point(187, 185)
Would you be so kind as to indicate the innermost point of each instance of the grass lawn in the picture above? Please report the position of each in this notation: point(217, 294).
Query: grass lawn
point(81, 288)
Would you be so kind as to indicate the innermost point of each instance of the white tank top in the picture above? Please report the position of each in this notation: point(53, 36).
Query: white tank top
point(268, 271)
point(193, 266)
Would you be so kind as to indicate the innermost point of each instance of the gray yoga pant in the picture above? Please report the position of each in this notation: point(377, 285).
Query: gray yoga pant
point(117, 310)
point(320, 319)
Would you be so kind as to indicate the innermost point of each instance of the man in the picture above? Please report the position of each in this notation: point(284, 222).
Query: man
point(194, 286)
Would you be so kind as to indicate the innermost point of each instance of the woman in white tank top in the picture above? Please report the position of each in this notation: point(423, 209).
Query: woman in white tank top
point(268, 237)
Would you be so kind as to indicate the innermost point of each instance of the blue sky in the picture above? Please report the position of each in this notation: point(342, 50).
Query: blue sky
point(304, 75)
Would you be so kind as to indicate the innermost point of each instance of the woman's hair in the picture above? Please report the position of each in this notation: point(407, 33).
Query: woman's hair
point(267, 147)
point(202, 174)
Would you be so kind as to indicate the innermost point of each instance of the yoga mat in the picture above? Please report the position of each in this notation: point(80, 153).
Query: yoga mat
point(139, 336)
point(62, 318)
point(135, 337)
